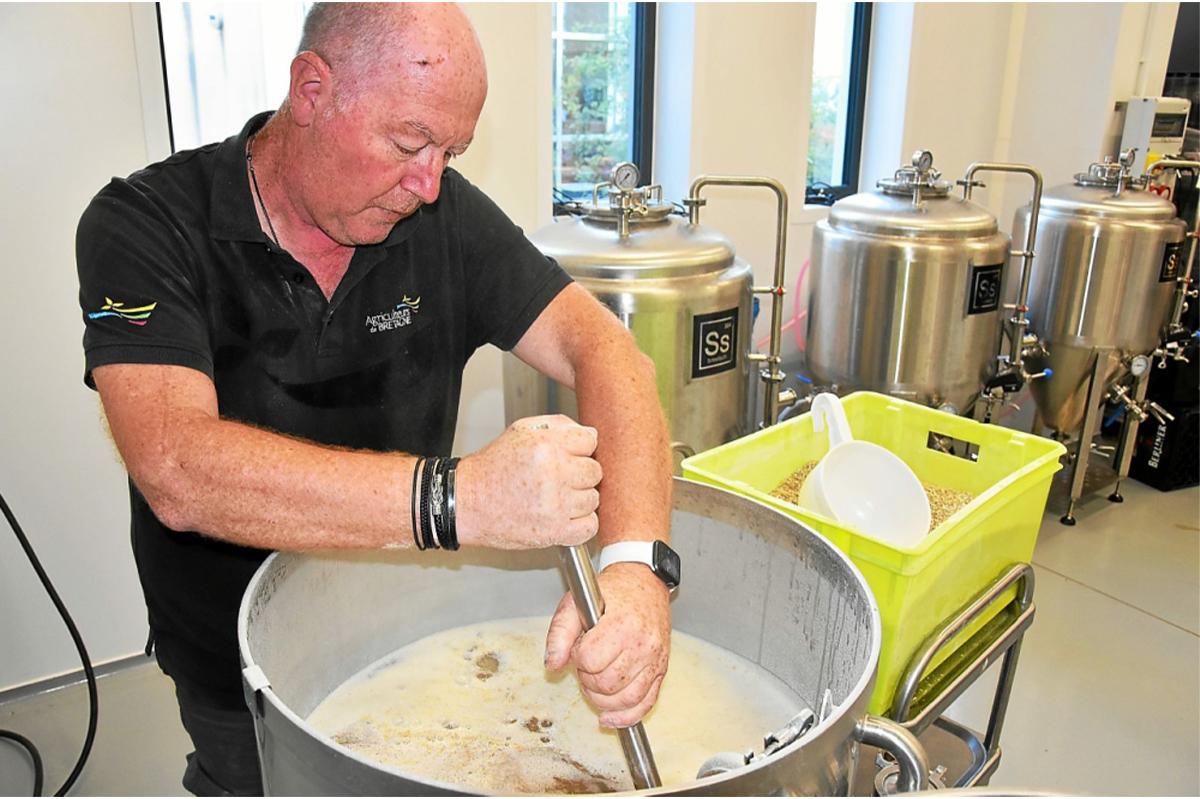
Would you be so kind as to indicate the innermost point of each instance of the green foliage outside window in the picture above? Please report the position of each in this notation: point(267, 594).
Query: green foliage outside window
point(822, 127)
point(595, 103)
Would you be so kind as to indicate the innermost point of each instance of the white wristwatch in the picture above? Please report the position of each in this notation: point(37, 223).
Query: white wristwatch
point(661, 559)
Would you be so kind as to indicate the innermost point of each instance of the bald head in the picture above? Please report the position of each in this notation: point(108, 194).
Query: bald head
point(364, 43)
point(381, 98)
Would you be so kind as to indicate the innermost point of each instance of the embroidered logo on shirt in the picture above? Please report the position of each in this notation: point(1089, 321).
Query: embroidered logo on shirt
point(134, 316)
point(400, 316)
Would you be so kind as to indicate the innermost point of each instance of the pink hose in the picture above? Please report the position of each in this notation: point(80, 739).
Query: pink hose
point(798, 315)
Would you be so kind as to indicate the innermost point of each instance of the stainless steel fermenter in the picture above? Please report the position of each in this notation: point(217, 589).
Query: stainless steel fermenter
point(1103, 279)
point(1103, 282)
point(683, 293)
point(905, 291)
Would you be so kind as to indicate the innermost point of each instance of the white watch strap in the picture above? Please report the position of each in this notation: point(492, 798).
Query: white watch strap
point(627, 552)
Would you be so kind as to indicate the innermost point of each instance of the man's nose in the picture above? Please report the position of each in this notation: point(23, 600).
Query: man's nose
point(425, 177)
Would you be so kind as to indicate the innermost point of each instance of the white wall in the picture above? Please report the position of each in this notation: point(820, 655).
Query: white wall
point(750, 81)
point(69, 79)
point(510, 160)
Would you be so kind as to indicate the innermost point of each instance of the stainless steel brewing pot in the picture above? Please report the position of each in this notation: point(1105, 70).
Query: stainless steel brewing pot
point(1102, 279)
point(905, 291)
point(756, 582)
point(685, 296)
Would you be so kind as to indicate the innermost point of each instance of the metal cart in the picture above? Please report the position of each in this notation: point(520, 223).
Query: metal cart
point(959, 756)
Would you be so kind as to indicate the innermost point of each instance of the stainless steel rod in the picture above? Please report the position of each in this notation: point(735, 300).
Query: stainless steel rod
point(1016, 355)
point(581, 578)
point(772, 376)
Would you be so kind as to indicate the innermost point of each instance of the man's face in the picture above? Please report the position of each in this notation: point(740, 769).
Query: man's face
point(377, 160)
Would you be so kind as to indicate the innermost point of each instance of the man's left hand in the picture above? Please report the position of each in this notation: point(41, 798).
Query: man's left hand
point(621, 661)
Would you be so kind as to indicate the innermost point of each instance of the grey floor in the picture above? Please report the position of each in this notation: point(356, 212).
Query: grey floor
point(1106, 701)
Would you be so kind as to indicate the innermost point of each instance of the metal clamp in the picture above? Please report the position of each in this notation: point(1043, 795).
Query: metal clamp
point(255, 683)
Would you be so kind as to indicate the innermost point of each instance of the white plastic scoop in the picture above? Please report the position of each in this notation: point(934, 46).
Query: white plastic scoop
point(862, 485)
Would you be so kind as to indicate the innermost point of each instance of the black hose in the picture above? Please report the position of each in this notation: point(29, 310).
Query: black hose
point(38, 772)
point(93, 699)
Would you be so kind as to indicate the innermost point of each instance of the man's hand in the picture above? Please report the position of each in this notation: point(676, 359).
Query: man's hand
point(534, 486)
point(621, 661)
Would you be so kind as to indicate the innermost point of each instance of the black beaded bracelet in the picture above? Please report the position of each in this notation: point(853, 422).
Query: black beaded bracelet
point(451, 541)
point(426, 525)
point(413, 503)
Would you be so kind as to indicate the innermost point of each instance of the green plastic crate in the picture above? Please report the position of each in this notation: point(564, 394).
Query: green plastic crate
point(917, 589)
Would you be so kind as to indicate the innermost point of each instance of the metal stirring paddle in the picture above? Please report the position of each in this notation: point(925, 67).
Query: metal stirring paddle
point(581, 577)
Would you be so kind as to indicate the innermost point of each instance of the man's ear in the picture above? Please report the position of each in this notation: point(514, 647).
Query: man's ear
point(310, 87)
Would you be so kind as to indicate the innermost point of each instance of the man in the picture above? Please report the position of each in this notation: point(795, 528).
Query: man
point(277, 327)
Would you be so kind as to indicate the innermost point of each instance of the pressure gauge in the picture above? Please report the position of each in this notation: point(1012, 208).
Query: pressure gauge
point(625, 176)
point(1139, 365)
point(922, 160)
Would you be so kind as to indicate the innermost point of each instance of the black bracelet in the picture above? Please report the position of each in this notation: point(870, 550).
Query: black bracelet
point(412, 505)
point(426, 526)
point(451, 542)
point(437, 502)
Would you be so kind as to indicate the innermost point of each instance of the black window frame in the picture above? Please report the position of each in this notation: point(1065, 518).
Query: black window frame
point(645, 24)
point(856, 90)
point(645, 27)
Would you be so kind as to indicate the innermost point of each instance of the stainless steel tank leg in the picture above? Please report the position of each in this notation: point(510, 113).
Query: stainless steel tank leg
point(581, 578)
point(1124, 454)
point(1091, 418)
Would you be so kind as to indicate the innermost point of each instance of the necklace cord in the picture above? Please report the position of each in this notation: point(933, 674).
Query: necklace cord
point(258, 193)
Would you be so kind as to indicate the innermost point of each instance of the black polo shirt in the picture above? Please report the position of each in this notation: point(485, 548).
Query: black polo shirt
point(174, 269)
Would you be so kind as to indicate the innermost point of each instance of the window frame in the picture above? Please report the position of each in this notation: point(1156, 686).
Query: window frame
point(645, 26)
point(856, 91)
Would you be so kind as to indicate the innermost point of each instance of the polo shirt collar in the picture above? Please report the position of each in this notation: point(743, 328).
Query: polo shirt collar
point(230, 205)
point(232, 214)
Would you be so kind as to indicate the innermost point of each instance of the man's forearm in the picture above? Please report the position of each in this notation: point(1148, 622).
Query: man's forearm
point(257, 488)
point(617, 395)
point(531, 487)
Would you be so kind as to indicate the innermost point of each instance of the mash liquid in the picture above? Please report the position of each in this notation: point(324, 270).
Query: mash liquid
point(474, 707)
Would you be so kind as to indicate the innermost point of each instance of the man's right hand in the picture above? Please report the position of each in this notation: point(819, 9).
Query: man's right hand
point(533, 487)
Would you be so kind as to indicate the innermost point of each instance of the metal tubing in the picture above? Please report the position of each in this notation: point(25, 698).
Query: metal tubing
point(771, 376)
point(1011, 637)
point(903, 745)
point(581, 578)
point(1008, 673)
point(1019, 322)
point(937, 640)
point(1185, 279)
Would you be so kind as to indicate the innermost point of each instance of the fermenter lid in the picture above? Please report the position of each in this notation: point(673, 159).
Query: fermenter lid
point(885, 214)
point(671, 248)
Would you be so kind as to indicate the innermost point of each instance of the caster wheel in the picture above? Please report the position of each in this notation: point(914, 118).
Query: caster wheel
point(1068, 520)
point(1117, 498)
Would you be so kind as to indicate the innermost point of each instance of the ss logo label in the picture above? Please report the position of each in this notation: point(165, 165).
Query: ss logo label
point(714, 342)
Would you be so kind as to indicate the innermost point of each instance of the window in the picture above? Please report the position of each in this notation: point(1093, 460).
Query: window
point(603, 92)
point(839, 88)
point(225, 62)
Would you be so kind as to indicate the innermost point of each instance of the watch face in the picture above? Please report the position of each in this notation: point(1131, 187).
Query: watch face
point(666, 564)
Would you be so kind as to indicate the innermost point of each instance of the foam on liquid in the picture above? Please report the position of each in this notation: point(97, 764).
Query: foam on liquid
point(474, 707)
